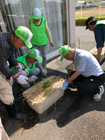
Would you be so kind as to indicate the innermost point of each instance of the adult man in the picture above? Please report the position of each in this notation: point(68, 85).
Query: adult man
point(39, 28)
point(99, 31)
point(89, 76)
point(8, 43)
point(30, 66)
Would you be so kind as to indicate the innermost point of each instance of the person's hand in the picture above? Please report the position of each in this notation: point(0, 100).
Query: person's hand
point(43, 72)
point(22, 79)
point(32, 78)
point(52, 44)
point(65, 85)
point(98, 59)
point(22, 72)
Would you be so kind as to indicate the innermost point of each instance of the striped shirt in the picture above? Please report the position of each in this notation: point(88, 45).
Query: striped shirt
point(6, 54)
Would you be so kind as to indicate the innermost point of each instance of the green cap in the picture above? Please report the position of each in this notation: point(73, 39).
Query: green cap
point(34, 53)
point(36, 13)
point(63, 51)
point(24, 34)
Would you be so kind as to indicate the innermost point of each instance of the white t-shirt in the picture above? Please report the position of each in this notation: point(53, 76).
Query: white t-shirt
point(86, 63)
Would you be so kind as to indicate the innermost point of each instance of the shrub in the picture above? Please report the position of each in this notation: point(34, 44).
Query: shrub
point(81, 21)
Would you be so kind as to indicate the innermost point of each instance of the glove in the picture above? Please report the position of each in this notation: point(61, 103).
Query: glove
point(65, 85)
point(22, 80)
point(32, 78)
point(22, 72)
point(43, 72)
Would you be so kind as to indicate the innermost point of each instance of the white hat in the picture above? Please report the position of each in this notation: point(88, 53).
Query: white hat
point(36, 13)
point(24, 34)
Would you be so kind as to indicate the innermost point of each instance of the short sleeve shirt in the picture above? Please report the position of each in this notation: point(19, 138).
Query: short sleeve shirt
point(86, 63)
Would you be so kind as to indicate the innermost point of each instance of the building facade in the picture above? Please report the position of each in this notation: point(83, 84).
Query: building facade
point(60, 15)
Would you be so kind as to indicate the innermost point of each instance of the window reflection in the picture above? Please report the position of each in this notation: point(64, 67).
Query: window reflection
point(17, 12)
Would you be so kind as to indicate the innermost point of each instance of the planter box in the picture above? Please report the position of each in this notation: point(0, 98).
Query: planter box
point(94, 53)
point(40, 98)
point(45, 104)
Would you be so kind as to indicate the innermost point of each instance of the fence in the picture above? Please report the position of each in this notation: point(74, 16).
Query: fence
point(92, 9)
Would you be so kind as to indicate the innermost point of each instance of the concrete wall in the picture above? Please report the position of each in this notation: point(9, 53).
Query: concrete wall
point(71, 22)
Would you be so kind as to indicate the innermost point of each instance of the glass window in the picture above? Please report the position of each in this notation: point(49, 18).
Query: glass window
point(18, 12)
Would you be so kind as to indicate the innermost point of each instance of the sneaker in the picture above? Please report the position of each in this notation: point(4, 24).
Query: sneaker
point(97, 97)
point(72, 85)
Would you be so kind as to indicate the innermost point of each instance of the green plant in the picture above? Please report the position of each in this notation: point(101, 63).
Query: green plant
point(46, 84)
point(81, 21)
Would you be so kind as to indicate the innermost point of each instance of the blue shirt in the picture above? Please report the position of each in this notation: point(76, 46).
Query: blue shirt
point(99, 32)
point(86, 63)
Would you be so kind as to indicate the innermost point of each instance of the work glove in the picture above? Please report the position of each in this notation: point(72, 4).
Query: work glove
point(22, 80)
point(32, 78)
point(65, 85)
point(43, 72)
point(22, 72)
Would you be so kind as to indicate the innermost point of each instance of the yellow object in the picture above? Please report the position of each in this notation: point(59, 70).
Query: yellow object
point(94, 53)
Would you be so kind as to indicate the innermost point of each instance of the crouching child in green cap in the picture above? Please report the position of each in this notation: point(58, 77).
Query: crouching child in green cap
point(29, 66)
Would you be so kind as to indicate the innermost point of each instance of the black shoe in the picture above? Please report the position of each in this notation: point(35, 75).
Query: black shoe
point(20, 115)
point(13, 113)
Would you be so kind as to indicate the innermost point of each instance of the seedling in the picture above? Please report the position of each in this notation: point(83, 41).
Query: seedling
point(46, 84)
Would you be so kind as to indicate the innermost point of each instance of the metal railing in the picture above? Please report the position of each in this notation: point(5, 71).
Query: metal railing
point(90, 9)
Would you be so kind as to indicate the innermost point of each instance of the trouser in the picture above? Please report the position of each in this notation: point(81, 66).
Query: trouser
point(3, 134)
point(35, 72)
point(6, 95)
point(89, 85)
point(43, 52)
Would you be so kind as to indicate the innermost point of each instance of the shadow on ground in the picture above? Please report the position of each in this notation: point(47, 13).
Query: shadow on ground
point(71, 106)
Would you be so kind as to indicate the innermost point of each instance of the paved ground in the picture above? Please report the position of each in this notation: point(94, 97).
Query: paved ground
point(73, 117)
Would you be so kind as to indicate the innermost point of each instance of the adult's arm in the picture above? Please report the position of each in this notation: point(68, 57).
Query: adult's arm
point(12, 60)
point(73, 76)
point(4, 68)
point(99, 37)
point(99, 50)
